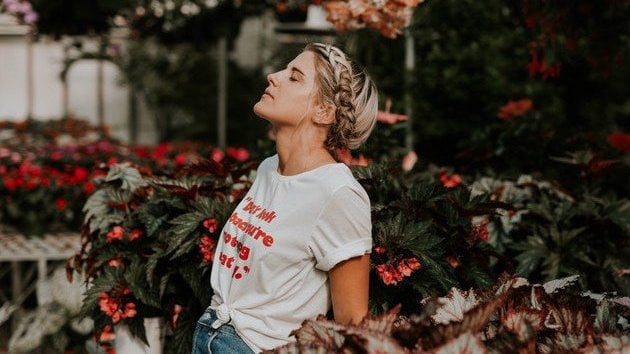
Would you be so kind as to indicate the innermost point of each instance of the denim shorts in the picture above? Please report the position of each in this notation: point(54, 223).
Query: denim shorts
point(223, 340)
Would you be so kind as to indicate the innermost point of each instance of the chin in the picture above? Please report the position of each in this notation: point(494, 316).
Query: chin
point(259, 111)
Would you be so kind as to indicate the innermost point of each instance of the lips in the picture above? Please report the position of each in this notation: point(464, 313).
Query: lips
point(268, 93)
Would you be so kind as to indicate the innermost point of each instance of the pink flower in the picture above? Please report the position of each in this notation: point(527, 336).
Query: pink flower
point(238, 154)
point(379, 249)
point(177, 309)
point(390, 118)
point(217, 155)
point(409, 161)
point(452, 261)
point(114, 262)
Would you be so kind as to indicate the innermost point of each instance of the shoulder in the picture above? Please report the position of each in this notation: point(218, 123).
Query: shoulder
point(341, 184)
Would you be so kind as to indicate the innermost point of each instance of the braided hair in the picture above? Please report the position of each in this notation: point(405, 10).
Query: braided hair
point(344, 85)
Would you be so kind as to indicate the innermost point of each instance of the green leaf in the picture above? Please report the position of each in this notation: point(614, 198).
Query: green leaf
point(128, 176)
point(180, 234)
point(136, 328)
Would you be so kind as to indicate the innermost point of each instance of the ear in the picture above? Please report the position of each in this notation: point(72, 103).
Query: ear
point(325, 114)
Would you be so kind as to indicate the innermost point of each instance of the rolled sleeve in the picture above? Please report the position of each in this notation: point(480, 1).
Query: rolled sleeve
point(344, 228)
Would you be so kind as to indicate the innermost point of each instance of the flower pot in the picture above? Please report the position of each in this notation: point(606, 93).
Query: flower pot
point(128, 344)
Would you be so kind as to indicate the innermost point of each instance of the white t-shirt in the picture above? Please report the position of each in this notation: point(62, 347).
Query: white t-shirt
point(270, 266)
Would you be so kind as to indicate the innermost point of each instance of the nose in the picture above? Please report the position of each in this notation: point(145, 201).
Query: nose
point(272, 79)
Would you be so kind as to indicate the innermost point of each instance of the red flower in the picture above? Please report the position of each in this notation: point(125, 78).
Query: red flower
point(135, 234)
point(88, 188)
point(56, 156)
point(141, 151)
point(211, 224)
point(620, 141)
point(515, 108)
point(10, 183)
point(60, 204)
point(181, 159)
point(239, 154)
point(480, 231)
point(450, 181)
point(116, 233)
point(206, 248)
point(161, 150)
point(80, 174)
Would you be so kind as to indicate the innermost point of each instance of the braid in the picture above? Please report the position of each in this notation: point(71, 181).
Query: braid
point(342, 129)
point(345, 86)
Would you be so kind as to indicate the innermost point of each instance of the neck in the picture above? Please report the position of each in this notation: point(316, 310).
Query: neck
point(299, 153)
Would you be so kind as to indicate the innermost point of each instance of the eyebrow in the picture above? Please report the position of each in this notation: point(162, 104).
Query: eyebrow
point(293, 68)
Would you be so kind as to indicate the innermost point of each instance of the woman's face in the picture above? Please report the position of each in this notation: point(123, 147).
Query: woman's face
point(290, 96)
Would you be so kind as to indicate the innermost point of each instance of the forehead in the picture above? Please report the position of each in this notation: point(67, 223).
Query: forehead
point(305, 62)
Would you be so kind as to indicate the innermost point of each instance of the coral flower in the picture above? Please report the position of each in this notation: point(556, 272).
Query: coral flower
point(135, 234)
point(450, 181)
point(116, 233)
point(346, 157)
point(515, 108)
point(413, 263)
point(107, 334)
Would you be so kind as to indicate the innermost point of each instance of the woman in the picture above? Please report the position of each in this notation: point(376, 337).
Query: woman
point(300, 239)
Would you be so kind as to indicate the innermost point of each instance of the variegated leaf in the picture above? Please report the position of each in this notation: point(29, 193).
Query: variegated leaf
point(467, 343)
point(320, 332)
point(382, 323)
point(523, 322)
point(369, 342)
point(454, 306)
point(625, 301)
point(553, 285)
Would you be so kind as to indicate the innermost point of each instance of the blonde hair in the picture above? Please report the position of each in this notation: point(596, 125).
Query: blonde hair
point(346, 86)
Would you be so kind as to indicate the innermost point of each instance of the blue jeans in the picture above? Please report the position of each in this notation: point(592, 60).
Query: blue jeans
point(224, 339)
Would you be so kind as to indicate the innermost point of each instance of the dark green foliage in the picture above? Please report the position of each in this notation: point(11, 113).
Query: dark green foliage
point(164, 267)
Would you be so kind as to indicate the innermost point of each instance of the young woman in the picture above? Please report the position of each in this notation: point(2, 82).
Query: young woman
point(300, 240)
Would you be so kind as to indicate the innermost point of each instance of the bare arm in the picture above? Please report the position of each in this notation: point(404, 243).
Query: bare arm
point(349, 288)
